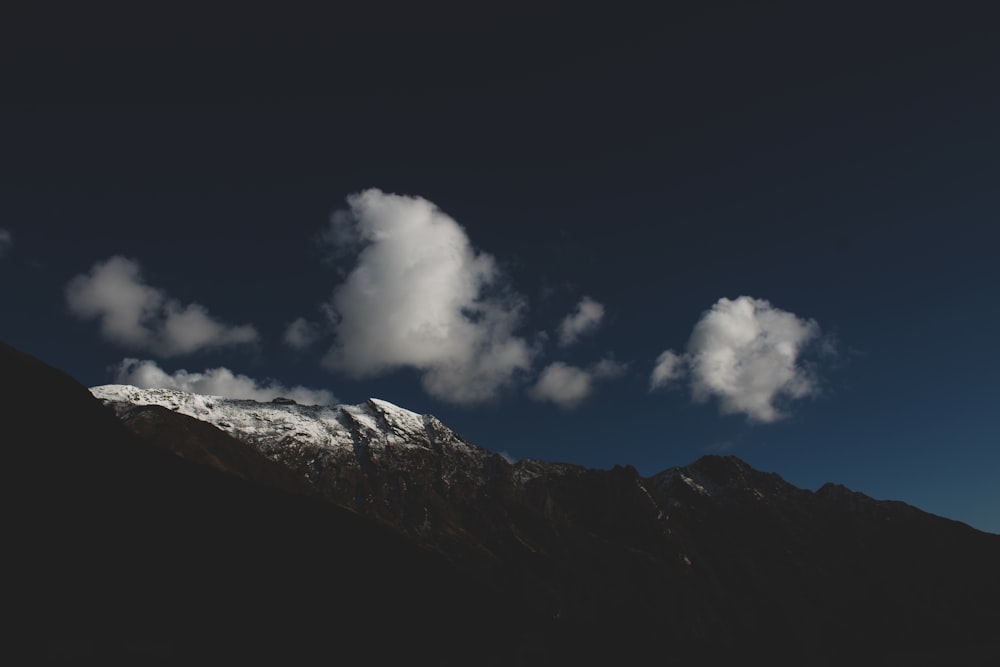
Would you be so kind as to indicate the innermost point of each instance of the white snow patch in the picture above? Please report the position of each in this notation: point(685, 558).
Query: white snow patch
point(285, 432)
point(698, 488)
point(247, 420)
point(659, 512)
point(398, 419)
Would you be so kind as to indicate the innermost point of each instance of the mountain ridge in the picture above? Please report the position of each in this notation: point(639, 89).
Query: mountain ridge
point(720, 473)
point(527, 563)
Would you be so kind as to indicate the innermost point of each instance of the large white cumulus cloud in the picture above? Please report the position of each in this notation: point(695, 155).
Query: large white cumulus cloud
point(146, 374)
point(747, 354)
point(420, 296)
point(143, 317)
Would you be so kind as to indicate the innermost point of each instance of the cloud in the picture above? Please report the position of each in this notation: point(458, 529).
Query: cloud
point(585, 319)
point(607, 369)
point(420, 296)
point(145, 374)
point(669, 368)
point(568, 386)
point(505, 455)
point(6, 241)
point(142, 317)
point(747, 354)
point(301, 333)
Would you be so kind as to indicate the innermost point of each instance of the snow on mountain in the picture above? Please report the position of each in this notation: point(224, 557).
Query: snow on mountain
point(378, 423)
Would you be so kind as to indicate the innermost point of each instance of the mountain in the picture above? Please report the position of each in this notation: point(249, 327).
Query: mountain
point(117, 551)
point(274, 531)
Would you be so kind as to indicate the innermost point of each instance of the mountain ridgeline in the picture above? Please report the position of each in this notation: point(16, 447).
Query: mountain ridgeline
point(166, 527)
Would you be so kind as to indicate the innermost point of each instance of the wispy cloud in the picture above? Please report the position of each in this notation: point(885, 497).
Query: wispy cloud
point(507, 457)
point(301, 333)
point(584, 319)
point(146, 374)
point(747, 354)
point(568, 386)
point(419, 295)
point(669, 368)
point(137, 315)
point(6, 241)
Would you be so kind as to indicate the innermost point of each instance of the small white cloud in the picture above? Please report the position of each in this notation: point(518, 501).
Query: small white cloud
point(6, 241)
point(586, 318)
point(142, 317)
point(420, 296)
point(301, 333)
point(568, 386)
point(746, 353)
point(669, 368)
point(146, 374)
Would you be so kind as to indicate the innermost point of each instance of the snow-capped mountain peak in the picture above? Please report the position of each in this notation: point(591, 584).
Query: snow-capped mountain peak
point(374, 458)
point(284, 423)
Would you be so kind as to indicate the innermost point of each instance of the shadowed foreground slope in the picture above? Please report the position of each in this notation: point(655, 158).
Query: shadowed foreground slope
point(121, 552)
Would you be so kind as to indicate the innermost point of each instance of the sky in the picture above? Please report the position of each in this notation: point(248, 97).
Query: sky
point(607, 239)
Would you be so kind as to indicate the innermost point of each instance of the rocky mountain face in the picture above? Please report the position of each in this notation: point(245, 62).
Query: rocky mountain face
point(370, 532)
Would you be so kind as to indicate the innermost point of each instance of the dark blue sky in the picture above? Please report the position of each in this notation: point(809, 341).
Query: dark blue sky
point(840, 164)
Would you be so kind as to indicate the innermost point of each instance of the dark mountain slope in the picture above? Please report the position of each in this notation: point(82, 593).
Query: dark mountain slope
point(120, 552)
point(846, 576)
point(194, 440)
